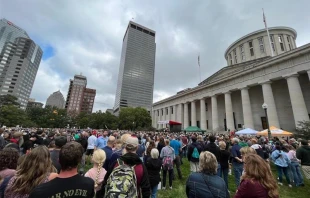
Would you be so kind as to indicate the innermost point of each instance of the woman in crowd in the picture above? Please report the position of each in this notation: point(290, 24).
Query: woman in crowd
point(168, 155)
point(206, 183)
point(295, 166)
point(224, 161)
point(257, 180)
point(35, 169)
point(148, 150)
point(97, 173)
point(161, 144)
point(200, 141)
point(8, 162)
point(282, 162)
point(153, 165)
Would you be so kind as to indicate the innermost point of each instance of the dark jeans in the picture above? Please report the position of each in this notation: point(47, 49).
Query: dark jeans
point(281, 169)
point(238, 169)
point(296, 170)
point(177, 162)
point(224, 175)
point(165, 175)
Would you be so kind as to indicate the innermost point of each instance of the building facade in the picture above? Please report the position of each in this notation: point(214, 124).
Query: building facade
point(56, 99)
point(79, 98)
point(232, 98)
point(136, 72)
point(33, 104)
point(20, 58)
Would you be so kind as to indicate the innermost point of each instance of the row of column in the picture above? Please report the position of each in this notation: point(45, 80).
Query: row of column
point(300, 112)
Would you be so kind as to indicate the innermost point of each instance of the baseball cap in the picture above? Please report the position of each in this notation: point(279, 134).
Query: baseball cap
point(132, 140)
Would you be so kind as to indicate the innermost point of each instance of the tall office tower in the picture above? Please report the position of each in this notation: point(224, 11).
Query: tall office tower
point(136, 72)
point(56, 100)
point(79, 98)
point(19, 62)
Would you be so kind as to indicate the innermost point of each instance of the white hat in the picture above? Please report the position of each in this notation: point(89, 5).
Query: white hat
point(132, 140)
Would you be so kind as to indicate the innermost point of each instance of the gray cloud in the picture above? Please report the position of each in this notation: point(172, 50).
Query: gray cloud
point(87, 37)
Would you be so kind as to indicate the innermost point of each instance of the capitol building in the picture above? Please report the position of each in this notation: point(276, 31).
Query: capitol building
point(232, 98)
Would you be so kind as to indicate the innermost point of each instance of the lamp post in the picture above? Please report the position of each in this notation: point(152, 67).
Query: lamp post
point(133, 126)
point(265, 107)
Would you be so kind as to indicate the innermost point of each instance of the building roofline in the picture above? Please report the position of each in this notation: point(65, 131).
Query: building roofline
point(260, 31)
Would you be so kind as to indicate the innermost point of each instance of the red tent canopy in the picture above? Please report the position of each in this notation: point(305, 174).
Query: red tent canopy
point(174, 123)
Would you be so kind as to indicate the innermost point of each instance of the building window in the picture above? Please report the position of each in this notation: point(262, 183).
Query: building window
point(242, 53)
point(261, 44)
point(289, 43)
point(206, 106)
point(235, 55)
point(230, 59)
point(251, 48)
point(171, 110)
point(281, 43)
point(272, 43)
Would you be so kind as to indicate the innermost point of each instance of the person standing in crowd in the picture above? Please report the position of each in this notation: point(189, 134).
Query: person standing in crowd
point(206, 182)
point(258, 148)
point(108, 151)
point(281, 161)
point(168, 156)
point(184, 145)
point(153, 165)
point(257, 180)
point(68, 179)
point(116, 176)
point(97, 173)
point(161, 144)
point(148, 150)
point(49, 139)
point(102, 141)
point(224, 161)
point(213, 148)
point(8, 162)
point(177, 149)
point(242, 143)
point(236, 160)
point(141, 150)
point(303, 153)
point(60, 141)
point(91, 143)
point(294, 166)
point(194, 150)
point(36, 168)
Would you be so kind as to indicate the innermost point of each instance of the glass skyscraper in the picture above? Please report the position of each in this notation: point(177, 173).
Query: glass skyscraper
point(20, 58)
point(136, 72)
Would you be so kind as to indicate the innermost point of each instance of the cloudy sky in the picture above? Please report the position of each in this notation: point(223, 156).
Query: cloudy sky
point(85, 36)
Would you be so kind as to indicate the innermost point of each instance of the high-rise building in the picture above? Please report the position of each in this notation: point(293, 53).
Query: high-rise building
point(33, 104)
point(19, 62)
point(56, 100)
point(136, 72)
point(79, 98)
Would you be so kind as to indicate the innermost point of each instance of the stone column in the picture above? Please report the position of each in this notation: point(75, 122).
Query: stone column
point(193, 113)
point(203, 116)
point(246, 108)
point(174, 113)
point(229, 112)
point(180, 114)
point(169, 113)
point(269, 100)
point(165, 116)
point(215, 117)
point(153, 118)
point(297, 99)
point(160, 118)
point(185, 115)
point(308, 74)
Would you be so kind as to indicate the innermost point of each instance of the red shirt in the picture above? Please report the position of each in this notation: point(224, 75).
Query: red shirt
point(251, 189)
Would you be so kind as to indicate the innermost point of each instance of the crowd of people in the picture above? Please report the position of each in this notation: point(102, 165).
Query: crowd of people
point(52, 163)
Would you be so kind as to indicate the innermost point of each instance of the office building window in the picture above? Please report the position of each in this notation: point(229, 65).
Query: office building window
point(251, 48)
point(242, 53)
point(272, 43)
point(235, 55)
point(261, 44)
point(281, 43)
point(289, 43)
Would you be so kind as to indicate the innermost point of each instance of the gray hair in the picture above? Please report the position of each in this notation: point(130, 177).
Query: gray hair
point(208, 163)
point(235, 140)
point(154, 153)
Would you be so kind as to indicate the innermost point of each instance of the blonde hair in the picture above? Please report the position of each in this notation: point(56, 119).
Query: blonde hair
point(154, 153)
point(222, 145)
point(167, 142)
point(118, 144)
point(124, 138)
point(199, 138)
point(99, 157)
point(207, 163)
point(247, 150)
point(254, 141)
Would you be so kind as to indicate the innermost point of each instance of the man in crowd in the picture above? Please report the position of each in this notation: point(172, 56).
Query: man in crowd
point(102, 140)
point(236, 160)
point(50, 137)
point(108, 151)
point(60, 141)
point(91, 143)
point(303, 153)
point(193, 155)
point(68, 183)
point(176, 145)
point(213, 148)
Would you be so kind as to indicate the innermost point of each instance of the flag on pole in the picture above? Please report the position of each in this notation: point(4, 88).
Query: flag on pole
point(199, 60)
point(265, 22)
point(264, 19)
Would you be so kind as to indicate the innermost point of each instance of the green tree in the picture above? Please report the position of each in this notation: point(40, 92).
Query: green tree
point(11, 116)
point(8, 100)
point(134, 118)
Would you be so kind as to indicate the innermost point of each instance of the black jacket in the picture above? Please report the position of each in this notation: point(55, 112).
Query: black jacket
point(213, 148)
point(153, 167)
point(191, 150)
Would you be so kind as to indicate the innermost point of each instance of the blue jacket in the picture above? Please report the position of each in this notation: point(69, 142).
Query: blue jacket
point(280, 158)
point(202, 185)
point(176, 145)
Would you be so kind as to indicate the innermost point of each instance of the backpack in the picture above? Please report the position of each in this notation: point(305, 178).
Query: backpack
point(195, 153)
point(167, 161)
point(122, 182)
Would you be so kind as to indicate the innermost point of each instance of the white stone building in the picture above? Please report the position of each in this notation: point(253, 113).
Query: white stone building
point(232, 98)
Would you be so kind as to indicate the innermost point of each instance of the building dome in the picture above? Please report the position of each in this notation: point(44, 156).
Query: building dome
point(56, 100)
point(256, 45)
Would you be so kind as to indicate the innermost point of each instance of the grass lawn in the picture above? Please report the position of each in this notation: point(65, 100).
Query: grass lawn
point(178, 186)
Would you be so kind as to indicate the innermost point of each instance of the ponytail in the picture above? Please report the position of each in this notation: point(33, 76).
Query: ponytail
point(98, 174)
